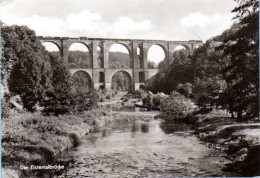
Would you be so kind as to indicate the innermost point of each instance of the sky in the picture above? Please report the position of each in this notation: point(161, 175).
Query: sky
point(134, 19)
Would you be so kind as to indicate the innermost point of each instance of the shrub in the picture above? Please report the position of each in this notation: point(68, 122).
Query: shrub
point(102, 98)
point(177, 105)
point(148, 101)
point(94, 99)
point(184, 89)
point(157, 99)
point(140, 93)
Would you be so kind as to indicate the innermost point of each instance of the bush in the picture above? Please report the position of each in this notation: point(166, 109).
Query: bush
point(184, 89)
point(177, 105)
point(157, 99)
point(151, 101)
point(102, 98)
point(94, 99)
point(140, 93)
point(148, 101)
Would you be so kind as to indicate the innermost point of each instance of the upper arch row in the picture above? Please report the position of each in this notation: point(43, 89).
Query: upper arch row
point(165, 45)
point(127, 46)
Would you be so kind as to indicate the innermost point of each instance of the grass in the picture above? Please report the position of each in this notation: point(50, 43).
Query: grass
point(30, 138)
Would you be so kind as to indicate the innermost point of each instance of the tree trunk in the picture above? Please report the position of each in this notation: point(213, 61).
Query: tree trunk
point(239, 115)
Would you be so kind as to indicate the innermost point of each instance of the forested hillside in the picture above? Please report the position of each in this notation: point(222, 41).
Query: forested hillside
point(81, 59)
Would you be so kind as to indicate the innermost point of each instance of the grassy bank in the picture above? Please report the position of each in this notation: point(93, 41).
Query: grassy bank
point(35, 139)
point(239, 140)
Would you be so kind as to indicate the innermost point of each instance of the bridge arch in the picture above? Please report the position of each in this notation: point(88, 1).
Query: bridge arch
point(51, 45)
point(71, 43)
point(119, 56)
point(79, 55)
point(156, 53)
point(82, 80)
point(122, 76)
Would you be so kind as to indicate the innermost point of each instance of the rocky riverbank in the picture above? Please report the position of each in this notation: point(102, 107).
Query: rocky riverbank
point(239, 140)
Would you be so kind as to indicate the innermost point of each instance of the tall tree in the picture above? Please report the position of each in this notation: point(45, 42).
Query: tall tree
point(58, 99)
point(242, 74)
point(23, 64)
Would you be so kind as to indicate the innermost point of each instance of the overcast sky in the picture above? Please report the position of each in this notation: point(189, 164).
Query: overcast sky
point(148, 19)
point(134, 19)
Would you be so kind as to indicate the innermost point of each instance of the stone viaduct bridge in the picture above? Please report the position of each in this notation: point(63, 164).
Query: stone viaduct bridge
point(137, 48)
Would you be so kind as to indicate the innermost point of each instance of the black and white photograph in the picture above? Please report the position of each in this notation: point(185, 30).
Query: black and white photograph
point(129, 88)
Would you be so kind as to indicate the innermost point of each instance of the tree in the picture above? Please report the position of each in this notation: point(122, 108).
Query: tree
point(184, 89)
point(242, 72)
point(59, 97)
point(23, 64)
point(169, 77)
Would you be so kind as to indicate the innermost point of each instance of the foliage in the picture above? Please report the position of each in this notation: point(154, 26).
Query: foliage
point(140, 93)
point(121, 81)
point(151, 65)
point(79, 59)
point(184, 89)
point(38, 77)
point(242, 73)
point(81, 82)
point(177, 105)
point(23, 65)
point(167, 79)
point(5, 107)
point(157, 100)
point(148, 101)
point(153, 101)
point(58, 97)
point(223, 71)
point(118, 60)
point(206, 90)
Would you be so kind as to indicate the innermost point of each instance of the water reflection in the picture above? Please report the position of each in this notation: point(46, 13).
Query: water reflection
point(170, 126)
point(104, 133)
point(145, 128)
point(134, 127)
point(120, 107)
point(92, 138)
point(166, 126)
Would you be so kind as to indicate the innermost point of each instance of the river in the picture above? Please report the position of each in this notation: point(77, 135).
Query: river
point(144, 148)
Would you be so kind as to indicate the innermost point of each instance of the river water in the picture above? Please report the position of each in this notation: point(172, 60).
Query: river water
point(151, 148)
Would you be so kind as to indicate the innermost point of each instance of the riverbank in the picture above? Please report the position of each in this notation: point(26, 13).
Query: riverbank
point(240, 141)
point(33, 139)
